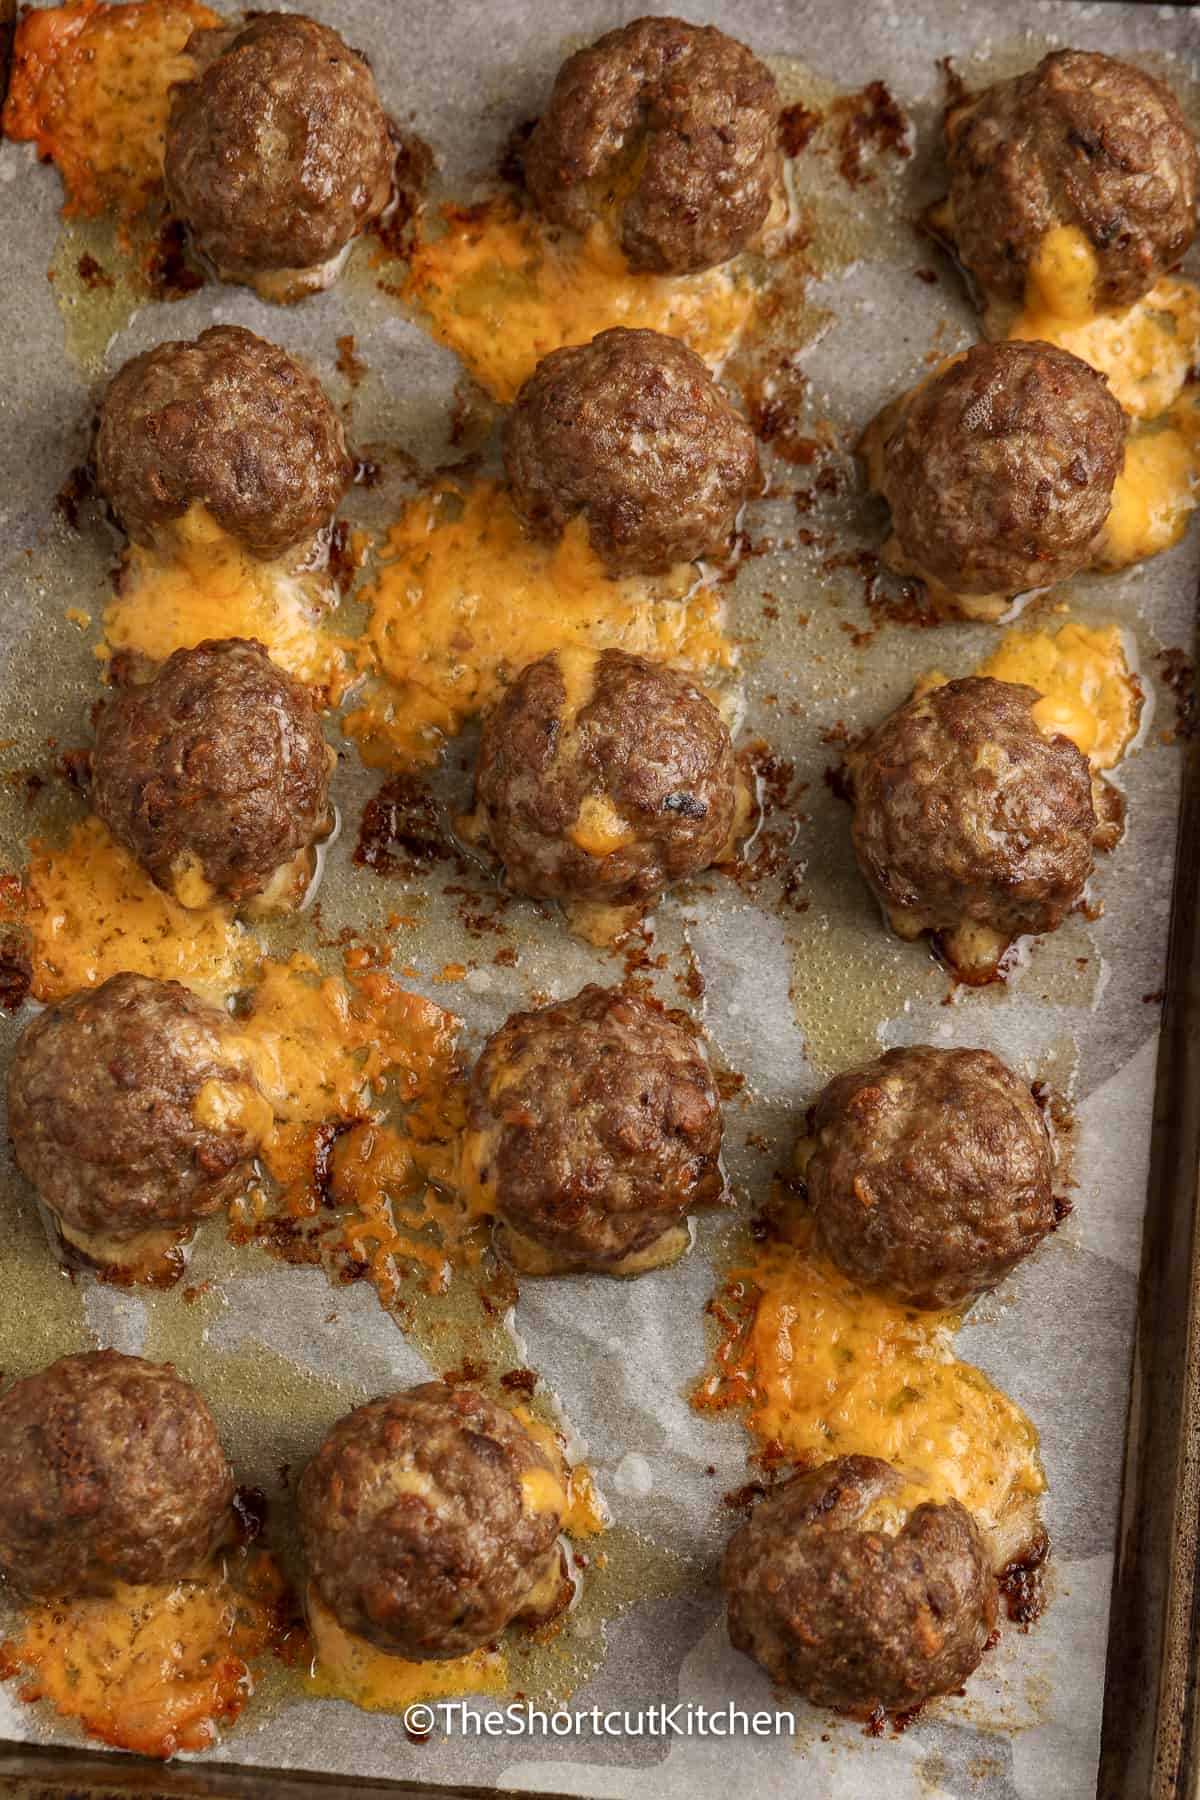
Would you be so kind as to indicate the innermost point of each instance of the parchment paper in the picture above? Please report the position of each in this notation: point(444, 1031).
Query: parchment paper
point(620, 1355)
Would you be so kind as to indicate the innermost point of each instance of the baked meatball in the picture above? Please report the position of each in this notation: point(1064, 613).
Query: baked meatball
point(278, 152)
point(1000, 470)
point(593, 1127)
point(632, 432)
point(604, 778)
point(670, 132)
point(840, 1601)
point(929, 1174)
point(111, 1471)
point(430, 1521)
point(971, 823)
point(129, 1113)
point(1082, 140)
point(215, 775)
point(228, 422)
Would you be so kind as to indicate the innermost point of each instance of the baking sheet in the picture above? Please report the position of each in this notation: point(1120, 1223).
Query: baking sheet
point(788, 995)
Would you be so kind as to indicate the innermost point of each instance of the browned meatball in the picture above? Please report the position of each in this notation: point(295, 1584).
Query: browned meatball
point(593, 1127)
point(111, 1471)
point(278, 152)
point(971, 823)
point(928, 1173)
point(1000, 470)
point(839, 1600)
point(128, 1112)
point(1082, 140)
point(603, 777)
point(430, 1521)
point(215, 775)
point(671, 131)
point(632, 432)
point(229, 422)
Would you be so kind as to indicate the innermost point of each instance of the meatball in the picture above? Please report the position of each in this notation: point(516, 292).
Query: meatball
point(972, 823)
point(430, 1521)
point(1082, 140)
point(215, 775)
point(670, 132)
point(837, 1599)
point(929, 1174)
point(593, 1127)
point(278, 152)
point(632, 432)
point(111, 1471)
point(129, 1112)
point(228, 422)
point(1000, 470)
point(603, 777)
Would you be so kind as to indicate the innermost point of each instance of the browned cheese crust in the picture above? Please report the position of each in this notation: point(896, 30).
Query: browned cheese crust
point(968, 817)
point(217, 765)
point(1000, 470)
point(414, 1526)
point(670, 129)
point(645, 745)
point(594, 1127)
point(1081, 140)
point(111, 1471)
point(101, 1092)
point(929, 1173)
point(229, 422)
point(279, 151)
point(851, 1616)
point(632, 432)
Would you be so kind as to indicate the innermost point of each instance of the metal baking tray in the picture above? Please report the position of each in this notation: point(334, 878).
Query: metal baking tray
point(462, 76)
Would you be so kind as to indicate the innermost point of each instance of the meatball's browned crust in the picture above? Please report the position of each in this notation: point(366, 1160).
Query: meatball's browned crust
point(847, 1612)
point(1081, 140)
point(1000, 470)
point(111, 1471)
point(420, 1533)
point(217, 769)
point(632, 432)
point(228, 422)
point(593, 1128)
point(970, 822)
point(929, 1173)
point(671, 130)
point(102, 1094)
point(278, 152)
point(603, 776)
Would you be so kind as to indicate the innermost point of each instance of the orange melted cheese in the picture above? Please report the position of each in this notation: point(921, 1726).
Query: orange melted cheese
point(1089, 693)
point(152, 1669)
point(346, 1668)
point(90, 87)
point(502, 291)
point(464, 599)
point(199, 583)
point(825, 1368)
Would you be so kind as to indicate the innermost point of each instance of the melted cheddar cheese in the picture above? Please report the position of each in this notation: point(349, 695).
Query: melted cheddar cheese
point(1089, 693)
point(502, 291)
point(198, 583)
point(464, 599)
point(90, 87)
point(346, 1668)
point(152, 1669)
point(1158, 487)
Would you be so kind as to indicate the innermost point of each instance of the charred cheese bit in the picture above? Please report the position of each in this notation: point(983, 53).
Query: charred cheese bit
point(90, 87)
point(1158, 487)
point(152, 1669)
point(829, 1369)
point(230, 1106)
point(464, 599)
point(151, 1258)
point(91, 912)
point(542, 1492)
point(198, 583)
point(1089, 693)
point(502, 291)
point(599, 829)
point(347, 1668)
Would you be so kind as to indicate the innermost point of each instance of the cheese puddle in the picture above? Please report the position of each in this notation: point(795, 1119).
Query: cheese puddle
point(464, 599)
point(1089, 693)
point(501, 290)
